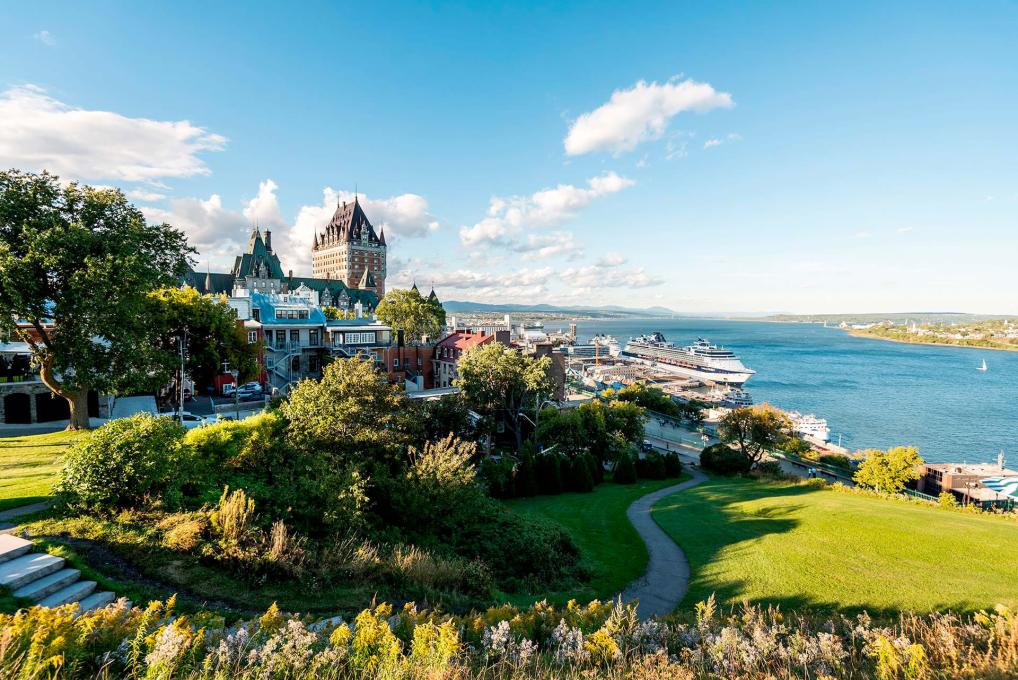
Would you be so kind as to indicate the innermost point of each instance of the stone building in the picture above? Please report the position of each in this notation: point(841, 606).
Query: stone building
point(350, 251)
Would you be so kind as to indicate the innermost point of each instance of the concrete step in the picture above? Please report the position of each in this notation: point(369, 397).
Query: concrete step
point(13, 546)
point(96, 601)
point(40, 588)
point(23, 570)
point(72, 593)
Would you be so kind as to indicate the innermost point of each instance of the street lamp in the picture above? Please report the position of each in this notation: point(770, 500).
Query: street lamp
point(236, 392)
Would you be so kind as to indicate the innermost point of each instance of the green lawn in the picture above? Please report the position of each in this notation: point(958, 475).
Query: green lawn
point(28, 466)
point(798, 546)
point(611, 548)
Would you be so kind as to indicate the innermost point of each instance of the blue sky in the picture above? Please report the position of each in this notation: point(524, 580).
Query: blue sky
point(710, 157)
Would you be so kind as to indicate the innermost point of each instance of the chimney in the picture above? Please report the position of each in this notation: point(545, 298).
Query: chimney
point(268, 240)
point(291, 273)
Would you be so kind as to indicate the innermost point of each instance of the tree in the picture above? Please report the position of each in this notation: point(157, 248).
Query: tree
point(76, 266)
point(210, 326)
point(407, 311)
point(755, 430)
point(333, 313)
point(888, 471)
point(564, 430)
point(502, 384)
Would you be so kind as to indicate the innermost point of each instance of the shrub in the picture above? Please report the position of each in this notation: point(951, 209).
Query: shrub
point(499, 475)
point(652, 466)
point(596, 468)
point(724, 460)
point(625, 470)
point(124, 463)
point(233, 520)
point(183, 532)
point(526, 474)
point(578, 477)
point(673, 466)
point(946, 499)
point(835, 460)
point(770, 469)
point(549, 473)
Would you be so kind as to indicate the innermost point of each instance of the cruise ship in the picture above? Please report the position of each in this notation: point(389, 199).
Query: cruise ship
point(810, 426)
point(701, 360)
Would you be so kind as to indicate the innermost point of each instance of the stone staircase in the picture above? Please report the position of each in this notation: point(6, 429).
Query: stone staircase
point(44, 579)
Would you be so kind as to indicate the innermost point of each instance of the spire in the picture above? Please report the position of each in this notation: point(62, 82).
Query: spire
point(414, 287)
point(208, 277)
point(381, 236)
point(316, 240)
point(367, 280)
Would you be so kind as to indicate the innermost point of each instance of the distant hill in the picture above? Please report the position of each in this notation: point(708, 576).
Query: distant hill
point(897, 317)
point(463, 306)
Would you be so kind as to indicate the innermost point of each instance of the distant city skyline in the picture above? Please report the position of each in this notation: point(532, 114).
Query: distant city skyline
point(725, 157)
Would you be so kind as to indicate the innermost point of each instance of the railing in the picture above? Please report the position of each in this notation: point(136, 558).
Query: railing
point(920, 494)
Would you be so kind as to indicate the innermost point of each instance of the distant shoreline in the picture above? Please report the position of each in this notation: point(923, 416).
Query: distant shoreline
point(863, 334)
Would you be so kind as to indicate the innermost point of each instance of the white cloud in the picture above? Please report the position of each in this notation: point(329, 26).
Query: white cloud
point(905, 230)
point(640, 114)
point(45, 37)
point(730, 138)
point(508, 216)
point(612, 260)
point(263, 209)
point(38, 132)
point(540, 246)
point(144, 195)
point(217, 233)
point(609, 275)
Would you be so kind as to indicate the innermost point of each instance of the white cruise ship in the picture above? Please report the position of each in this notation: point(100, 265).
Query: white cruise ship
point(810, 426)
point(701, 360)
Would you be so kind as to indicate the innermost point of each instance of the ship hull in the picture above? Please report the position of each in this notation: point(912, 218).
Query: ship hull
point(721, 377)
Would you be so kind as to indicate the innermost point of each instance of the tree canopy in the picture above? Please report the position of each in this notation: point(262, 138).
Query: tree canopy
point(503, 384)
point(755, 430)
point(210, 326)
point(408, 311)
point(76, 266)
point(889, 471)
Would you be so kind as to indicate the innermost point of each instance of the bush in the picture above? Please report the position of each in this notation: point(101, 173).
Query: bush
point(673, 466)
point(724, 460)
point(625, 470)
point(835, 460)
point(596, 468)
point(123, 464)
point(651, 466)
point(549, 473)
point(500, 476)
point(526, 474)
point(770, 469)
point(578, 477)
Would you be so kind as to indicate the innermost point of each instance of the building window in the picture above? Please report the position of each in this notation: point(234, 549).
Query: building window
point(420, 363)
point(252, 337)
point(313, 364)
point(395, 362)
point(256, 314)
point(295, 337)
point(313, 337)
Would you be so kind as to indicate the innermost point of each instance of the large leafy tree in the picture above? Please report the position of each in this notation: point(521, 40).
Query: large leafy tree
point(503, 384)
point(889, 471)
point(755, 430)
point(408, 311)
point(76, 266)
point(210, 326)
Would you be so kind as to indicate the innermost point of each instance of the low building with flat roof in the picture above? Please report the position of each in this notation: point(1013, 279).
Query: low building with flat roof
point(964, 480)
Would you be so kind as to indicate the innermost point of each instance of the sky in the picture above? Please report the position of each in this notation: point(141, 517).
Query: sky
point(707, 157)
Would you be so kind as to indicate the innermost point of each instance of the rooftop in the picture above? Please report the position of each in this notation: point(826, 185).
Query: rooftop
point(463, 340)
point(978, 469)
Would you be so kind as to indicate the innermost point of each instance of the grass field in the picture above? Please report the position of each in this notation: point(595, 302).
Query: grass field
point(611, 548)
point(28, 466)
point(798, 546)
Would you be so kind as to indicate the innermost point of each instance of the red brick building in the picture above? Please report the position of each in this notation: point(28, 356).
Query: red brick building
point(449, 349)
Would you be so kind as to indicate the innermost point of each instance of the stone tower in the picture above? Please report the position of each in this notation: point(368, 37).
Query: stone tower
point(350, 250)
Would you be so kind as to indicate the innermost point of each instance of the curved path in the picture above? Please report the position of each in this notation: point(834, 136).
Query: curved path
point(666, 580)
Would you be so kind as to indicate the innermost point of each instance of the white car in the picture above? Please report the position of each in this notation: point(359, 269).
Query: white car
point(190, 420)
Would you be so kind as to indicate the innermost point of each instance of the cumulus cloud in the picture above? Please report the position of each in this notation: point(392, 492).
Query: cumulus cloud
point(540, 246)
point(144, 195)
point(38, 132)
point(609, 275)
point(46, 38)
point(639, 114)
point(507, 216)
point(215, 231)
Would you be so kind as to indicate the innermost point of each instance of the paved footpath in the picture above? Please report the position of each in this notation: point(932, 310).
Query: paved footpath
point(666, 580)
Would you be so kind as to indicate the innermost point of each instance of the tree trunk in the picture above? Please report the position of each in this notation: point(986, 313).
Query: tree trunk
point(77, 400)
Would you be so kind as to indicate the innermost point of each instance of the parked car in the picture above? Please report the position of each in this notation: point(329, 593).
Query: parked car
point(245, 393)
point(229, 389)
point(190, 420)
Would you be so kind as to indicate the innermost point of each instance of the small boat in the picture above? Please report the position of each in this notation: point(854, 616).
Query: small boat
point(983, 367)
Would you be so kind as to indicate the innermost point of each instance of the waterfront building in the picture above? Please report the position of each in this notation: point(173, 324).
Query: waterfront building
point(963, 480)
point(349, 250)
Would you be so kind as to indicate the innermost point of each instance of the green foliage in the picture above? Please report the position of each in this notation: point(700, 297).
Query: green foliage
point(724, 460)
point(502, 384)
point(888, 471)
point(86, 257)
point(625, 468)
point(946, 499)
point(213, 336)
point(526, 475)
point(549, 473)
point(797, 447)
point(438, 418)
point(564, 430)
point(651, 466)
point(123, 464)
point(334, 313)
point(673, 466)
point(577, 475)
point(500, 474)
point(408, 311)
point(755, 430)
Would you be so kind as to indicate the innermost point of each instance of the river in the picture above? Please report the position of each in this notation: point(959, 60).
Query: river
point(873, 393)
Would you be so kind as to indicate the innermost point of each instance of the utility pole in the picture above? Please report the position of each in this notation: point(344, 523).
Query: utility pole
point(180, 409)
